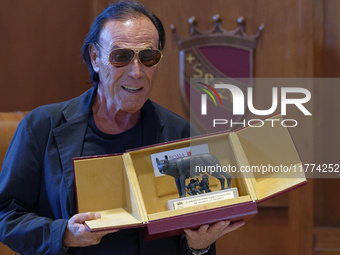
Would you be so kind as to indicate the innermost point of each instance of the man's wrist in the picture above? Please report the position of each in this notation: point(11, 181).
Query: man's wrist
point(197, 252)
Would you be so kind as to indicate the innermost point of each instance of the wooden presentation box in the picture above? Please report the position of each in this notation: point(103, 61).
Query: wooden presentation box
point(125, 190)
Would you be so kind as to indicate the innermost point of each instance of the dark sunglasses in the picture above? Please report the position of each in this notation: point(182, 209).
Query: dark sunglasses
point(123, 56)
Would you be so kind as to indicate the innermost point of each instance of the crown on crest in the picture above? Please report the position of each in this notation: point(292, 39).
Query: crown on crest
point(219, 34)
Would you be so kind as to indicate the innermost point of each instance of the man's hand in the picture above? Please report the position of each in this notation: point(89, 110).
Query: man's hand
point(206, 235)
point(76, 235)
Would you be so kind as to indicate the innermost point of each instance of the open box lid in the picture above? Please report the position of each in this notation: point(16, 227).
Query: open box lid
point(267, 154)
point(99, 183)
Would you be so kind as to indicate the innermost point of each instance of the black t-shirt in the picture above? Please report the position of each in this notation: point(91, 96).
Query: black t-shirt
point(98, 143)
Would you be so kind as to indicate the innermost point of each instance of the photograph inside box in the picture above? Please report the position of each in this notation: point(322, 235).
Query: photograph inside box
point(145, 187)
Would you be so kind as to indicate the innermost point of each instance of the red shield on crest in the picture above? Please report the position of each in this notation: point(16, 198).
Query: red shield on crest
point(207, 58)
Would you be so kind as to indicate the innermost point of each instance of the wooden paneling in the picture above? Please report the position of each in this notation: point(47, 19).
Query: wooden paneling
point(327, 253)
point(330, 57)
point(41, 64)
point(327, 202)
point(267, 233)
point(327, 150)
point(327, 241)
point(40, 55)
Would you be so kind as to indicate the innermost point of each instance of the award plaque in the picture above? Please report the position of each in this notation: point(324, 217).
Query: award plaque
point(202, 199)
point(144, 188)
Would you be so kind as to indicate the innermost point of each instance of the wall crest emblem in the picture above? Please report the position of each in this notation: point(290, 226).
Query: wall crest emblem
point(211, 55)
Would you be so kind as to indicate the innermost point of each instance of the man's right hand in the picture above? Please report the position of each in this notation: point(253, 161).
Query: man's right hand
point(76, 235)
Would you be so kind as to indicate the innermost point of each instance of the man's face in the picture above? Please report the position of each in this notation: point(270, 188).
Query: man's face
point(125, 88)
